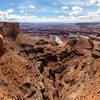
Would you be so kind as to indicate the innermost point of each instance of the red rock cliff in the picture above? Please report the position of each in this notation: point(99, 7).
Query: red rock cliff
point(9, 29)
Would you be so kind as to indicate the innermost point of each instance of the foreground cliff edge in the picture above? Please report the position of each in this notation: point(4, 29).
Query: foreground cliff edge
point(32, 70)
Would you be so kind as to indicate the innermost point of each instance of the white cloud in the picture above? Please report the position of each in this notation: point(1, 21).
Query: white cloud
point(4, 16)
point(22, 11)
point(32, 6)
point(90, 17)
point(61, 17)
point(17, 18)
point(93, 1)
point(65, 7)
point(10, 10)
point(3, 13)
point(96, 13)
point(75, 2)
point(57, 12)
point(74, 13)
point(96, 2)
point(76, 10)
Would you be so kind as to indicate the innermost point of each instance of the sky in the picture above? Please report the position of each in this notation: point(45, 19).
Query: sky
point(67, 11)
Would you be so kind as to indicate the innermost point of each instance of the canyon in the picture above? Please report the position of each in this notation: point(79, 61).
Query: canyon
point(48, 66)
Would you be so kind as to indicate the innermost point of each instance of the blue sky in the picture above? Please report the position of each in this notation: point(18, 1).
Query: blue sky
point(50, 10)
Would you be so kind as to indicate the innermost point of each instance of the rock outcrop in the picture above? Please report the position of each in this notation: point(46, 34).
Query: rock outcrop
point(2, 44)
point(7, 30)
point(10, 29)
